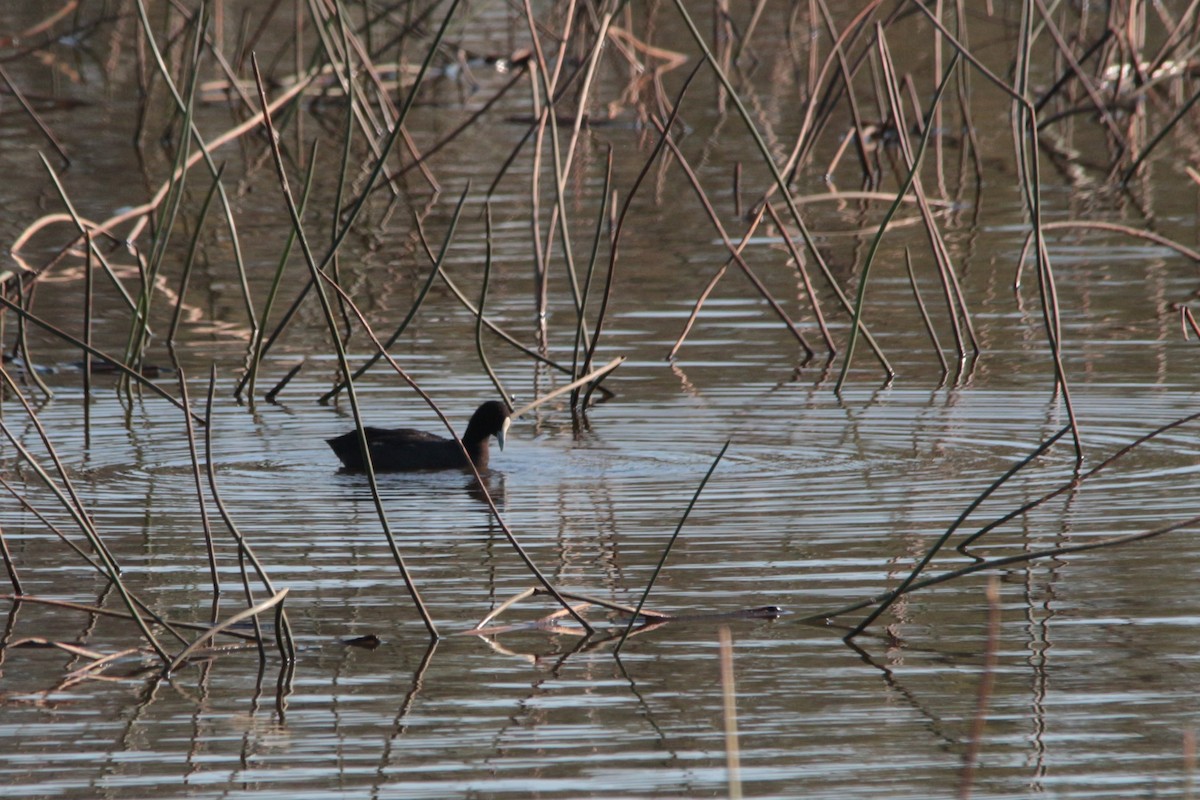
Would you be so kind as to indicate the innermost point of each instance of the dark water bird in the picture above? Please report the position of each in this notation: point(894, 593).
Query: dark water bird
point(398, 449)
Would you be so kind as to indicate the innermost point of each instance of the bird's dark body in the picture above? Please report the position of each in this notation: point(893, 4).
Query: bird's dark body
point(404, 449)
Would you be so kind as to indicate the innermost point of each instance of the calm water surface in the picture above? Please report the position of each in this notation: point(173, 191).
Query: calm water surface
point(821, 500)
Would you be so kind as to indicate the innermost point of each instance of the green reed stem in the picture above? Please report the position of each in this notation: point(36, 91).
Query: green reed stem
point(181, 105)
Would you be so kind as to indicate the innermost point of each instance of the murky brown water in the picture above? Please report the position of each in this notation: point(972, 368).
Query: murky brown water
point(821, 500)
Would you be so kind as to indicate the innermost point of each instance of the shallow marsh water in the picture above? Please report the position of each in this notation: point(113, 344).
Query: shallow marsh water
point(821, 500)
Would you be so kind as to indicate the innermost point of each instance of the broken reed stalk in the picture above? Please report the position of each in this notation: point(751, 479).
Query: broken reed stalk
point(367, 184)
point(275, 601)
point(908, 582)
point(107, 612)
point(590, 380)
point(315, 275)
point(891, 212)
point(283, 630)
point(667, 550)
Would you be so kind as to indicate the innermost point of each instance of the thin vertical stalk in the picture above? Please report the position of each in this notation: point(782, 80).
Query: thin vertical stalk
point(912, 282)
point(204, 521)
point(283, 635)
point(190, 261)
point(483, 291)
point(417, 303)
point(895, 206)
point(667, 550)
point(580, 321)
point(88, 290)
point(9, 566)
point(315, 275)
point(367, 184)
point(729, 705)
point(256, 345)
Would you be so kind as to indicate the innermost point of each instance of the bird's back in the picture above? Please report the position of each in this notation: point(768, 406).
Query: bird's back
point(396, 449)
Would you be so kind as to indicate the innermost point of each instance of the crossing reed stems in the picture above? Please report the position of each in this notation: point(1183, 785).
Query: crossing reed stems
point(315, 275)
